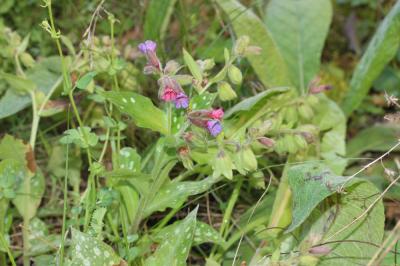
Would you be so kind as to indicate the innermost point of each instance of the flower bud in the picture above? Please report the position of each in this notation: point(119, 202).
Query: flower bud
point(306, 112)
point(291, 114)
point(225, 91)
point(222, 165)
point(290, 143)
point(320, 88)
point(300, 141)
point(253, 50)
point(171, 67)
point(27, 59)
point(320, 250)
point(241, 45)
point(267, 142)
point(235, 75)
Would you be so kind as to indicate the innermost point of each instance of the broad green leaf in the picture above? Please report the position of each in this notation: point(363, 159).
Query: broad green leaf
point(81, 137)
point(299, 29)
point(310, 184)
point(381, 49)
point(6, 5)
point(269, 65)
point(158, 14)
point(140, 108)
point(193, 66)
point(44, 78)
point(12, 148)
point(19, 84)
point(84, 81)
point(12, 173)
point(129, 159)
point(175, 249)
point(89, 251)
point(174, 193)
point(202, 101)
point(332, 125)
point(29, 194)
point(379, 137)
point(369, 229)
point(203, 233)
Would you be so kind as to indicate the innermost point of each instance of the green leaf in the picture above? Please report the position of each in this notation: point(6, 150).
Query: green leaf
point(370, 228)
point(19, 84)
point(140, 108)
point(29, 195)
point(203, 233)
point(158, 14)
point(299, 29)
point(12, 173)
point(129, 159)
point(269, 65)
point(332, 125)
point(174, 193)
point(42, 76)
point(193, 66)
point(381, 49)
point(89, 251)
point(310, 184)
point(12, 148)
point(82, 137)
point(202, 101)
point(379, 137)
point(176, 247)
point(84, 81)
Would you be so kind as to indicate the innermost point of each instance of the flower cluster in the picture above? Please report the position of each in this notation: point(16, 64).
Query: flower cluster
point(208, 119)
point(171, 91)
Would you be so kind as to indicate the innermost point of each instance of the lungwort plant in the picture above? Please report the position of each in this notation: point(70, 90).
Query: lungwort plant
point(126, 204)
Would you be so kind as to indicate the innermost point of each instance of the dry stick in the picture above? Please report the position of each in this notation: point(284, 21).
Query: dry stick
point(368, 165)
point(367, 210)
point(388, 248)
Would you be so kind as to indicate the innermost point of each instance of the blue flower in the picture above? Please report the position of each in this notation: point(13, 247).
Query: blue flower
point(147, 46)
point(214, 127)
point(181, 101)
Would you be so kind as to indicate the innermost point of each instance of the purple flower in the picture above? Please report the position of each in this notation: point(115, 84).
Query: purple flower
point(214, 127)
point(147, 46)
point(181, 101)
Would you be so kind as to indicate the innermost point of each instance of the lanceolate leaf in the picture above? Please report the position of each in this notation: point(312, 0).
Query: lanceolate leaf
point(140, 108)
point(174, 250)
point(157, 17)
point(299, 29)
point(174, 193)
point(382, 48)
point(269, 65)
point(376, 138)
point(87, 250)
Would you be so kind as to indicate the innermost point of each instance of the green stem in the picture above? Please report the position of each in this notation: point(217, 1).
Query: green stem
point(25, 236)
point(35, 121)
point(228, 212)
point(65, 202)
point(169, 113)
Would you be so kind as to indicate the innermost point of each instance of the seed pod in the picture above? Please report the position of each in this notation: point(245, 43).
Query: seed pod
point(300, 141)
point(312, 100)
point(222, 165)
point(249, 160)
point(291, 114)
point(308, 260)
point(306, 112)
point(280, 146)
point(225, 91)
point(27, 59)
point(290, 143)
point(235, 75)
point(238, 161)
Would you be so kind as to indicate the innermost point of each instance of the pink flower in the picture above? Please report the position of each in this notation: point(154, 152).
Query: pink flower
point(216, 114)
point(148, 48)
point(168, 94)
